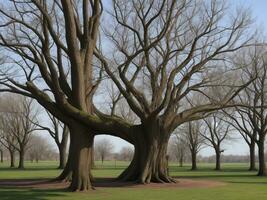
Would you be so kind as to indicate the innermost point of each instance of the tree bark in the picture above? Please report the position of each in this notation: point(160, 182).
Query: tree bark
point(218, 160)
point(2, 156)
point(262, 166)
point(181, 161)
point(62, 155)
point(149, 163)
point(81, 158)
point(21, 159)
point(252, 166)
point(194, 160)
point(12, 159)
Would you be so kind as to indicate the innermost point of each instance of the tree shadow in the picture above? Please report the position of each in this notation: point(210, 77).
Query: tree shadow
point(30, 194)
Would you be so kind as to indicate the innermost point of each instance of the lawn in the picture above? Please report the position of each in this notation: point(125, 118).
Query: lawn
point(239, 184)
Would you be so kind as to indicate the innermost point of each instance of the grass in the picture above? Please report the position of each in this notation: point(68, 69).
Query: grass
point(240, 184)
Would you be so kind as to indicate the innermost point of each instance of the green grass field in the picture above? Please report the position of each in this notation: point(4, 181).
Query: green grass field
point(239, 184)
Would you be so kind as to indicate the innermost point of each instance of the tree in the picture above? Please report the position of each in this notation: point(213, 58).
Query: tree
point(216, 132)
point(254, 117)
point(193, 139)
point(103, 148)
point(39, 148)
point(9, 142)
point(53, 49)
point(60, 133)
point(1, 155)
point(179, 148)
point(158, 49)
point(126, 153)
point(18, 120)
point(241, 123)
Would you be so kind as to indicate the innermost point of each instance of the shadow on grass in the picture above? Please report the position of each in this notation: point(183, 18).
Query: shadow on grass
point(30, 194)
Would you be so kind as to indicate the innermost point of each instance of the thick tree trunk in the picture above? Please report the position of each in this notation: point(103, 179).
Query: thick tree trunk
point(262, 166)
point(81, 158)
point(252, 166)
point(194, 160)
point(149, 163)
point(12, 159)
point(21, 159)
point(218, 160)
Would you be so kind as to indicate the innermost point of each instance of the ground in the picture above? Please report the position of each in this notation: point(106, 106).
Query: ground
point(233, 183)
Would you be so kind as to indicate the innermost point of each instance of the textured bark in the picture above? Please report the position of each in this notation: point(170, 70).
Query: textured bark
point(252, 166)
point(21, 158)
point(218, 160)
point(1, 156)
point(149, 163)
point(194, 160)
point(12, 158)
point(262, 165)
point(80, 166)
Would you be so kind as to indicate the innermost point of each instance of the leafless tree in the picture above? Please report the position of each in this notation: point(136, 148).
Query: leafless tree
point(215, 133)
point(191, 132)
point(17, 121)
point(160, 51)
point(52, 44)
point(252, 120)
point(9, 142)
point(60, 133)
point(178, 148)
point(103, 148)
point(39, 148)
point(126, 153)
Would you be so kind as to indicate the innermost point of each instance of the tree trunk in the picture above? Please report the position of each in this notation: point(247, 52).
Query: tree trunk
point(12, 159)
point(21, 158)
point(62, 155)
point(194, 160)
point(2, 156)
point(252, 166)
point(181, 161)
point(81, 158)
point(149, 163)
point(218, 160)
point(262, 167)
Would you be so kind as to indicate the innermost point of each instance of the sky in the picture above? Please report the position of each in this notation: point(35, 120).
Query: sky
point(236, 146)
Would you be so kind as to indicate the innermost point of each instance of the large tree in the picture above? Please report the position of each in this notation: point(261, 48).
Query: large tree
point(160, 52)
point(165, 45)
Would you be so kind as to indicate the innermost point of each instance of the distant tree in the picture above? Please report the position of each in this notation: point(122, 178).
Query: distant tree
point(178, 148)
point(193, 139)
point(216, 131)
point(60, 133)
point(39, 149)
point(103, 148)
point(18, 121)
point(126, 153)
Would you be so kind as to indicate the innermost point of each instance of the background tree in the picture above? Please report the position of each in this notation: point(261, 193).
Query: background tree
point(193, 139)
point(39, 149)
point(60, 133)
point(178, 148)
point(18, 120)
point(216, 132)
point(103, 148)
point(255, 115)
point(126, 153)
